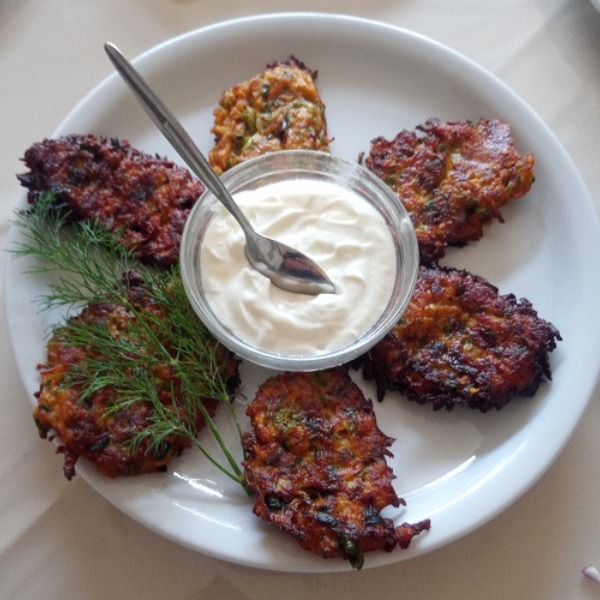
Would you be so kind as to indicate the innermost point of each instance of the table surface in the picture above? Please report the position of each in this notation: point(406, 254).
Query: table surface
point(61, 539)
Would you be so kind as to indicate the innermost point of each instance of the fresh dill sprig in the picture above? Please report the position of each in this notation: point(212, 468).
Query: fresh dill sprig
point(163, 334)
point(85, 257)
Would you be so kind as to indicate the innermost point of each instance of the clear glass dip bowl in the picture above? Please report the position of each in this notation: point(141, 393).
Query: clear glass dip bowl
point(319, 166)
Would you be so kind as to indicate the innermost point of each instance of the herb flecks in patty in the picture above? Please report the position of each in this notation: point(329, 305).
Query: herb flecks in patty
point(278, 109)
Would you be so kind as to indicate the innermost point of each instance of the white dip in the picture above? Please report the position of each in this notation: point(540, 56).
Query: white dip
point(335, 227)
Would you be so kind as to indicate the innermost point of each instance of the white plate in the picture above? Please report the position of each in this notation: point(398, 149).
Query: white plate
point(596, 4)
point(459, 468)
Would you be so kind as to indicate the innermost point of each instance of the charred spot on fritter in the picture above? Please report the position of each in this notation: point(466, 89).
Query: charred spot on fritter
point(84, 424)
point(144, 200)
point(460, 342)
point(315, 460)
point(452, 177)
point(278, 109)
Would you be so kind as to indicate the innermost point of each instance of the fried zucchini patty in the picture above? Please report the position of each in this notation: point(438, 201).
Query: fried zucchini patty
point(461, 343)
point(316, 463)
point(143, 200)
point(278, 109)
point(84, 424)
point(453, 179)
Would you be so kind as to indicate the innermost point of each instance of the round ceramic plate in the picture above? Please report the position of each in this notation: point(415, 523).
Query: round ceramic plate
point(459, 468)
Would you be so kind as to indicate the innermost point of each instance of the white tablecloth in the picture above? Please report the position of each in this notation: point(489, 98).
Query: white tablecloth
point(63, 540)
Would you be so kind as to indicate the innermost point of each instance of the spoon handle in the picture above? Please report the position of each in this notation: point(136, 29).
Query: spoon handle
point(178, 137)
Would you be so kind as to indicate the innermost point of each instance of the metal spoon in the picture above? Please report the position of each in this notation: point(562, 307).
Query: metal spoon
point(285, 267)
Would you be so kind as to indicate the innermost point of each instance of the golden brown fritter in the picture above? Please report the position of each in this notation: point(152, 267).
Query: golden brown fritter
point(278, 109)
point(453, 179)
point(83, 424)
point(461, 343)
point(144, 200)
point(316, 463)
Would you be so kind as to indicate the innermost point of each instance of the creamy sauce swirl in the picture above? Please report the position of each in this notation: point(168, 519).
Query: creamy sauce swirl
point(335, 227)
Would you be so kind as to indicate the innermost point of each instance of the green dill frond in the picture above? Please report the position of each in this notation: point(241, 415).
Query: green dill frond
point(87, 261)
point(160, 331)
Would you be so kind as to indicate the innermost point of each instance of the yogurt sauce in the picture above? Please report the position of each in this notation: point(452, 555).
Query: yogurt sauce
point(338, 229)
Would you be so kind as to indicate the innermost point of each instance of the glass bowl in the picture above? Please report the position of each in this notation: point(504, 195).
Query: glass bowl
point(319, 167)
